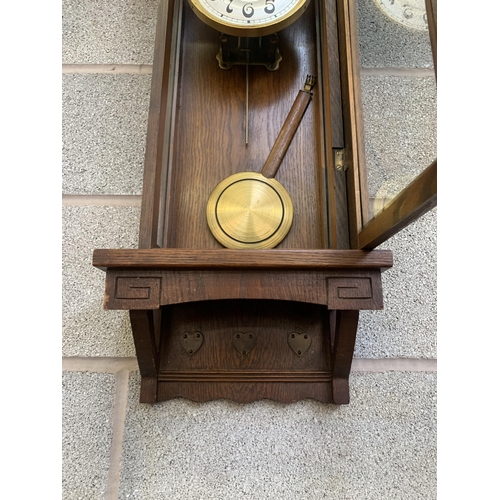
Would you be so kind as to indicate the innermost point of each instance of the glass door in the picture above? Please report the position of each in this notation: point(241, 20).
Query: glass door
point(397, 174)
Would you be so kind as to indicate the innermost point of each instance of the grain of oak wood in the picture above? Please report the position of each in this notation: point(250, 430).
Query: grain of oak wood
point(271, 369)
point(355, 177)
point(171, 258)
point(431, 8)
point(150, 289)
point(416, 199)
point(183, 52)
point(160, 107)
point(208, 143)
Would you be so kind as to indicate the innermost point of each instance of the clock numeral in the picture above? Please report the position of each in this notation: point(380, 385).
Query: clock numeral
point(228, 8)
point(269, 6)
point(248, 10)
point(408, 13)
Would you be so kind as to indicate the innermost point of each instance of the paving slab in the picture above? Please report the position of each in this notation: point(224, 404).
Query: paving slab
point(89, 330)
point(108, 31)
point(386, 43)
point(381, 446)
point(407, 326)
point(87, 404)
point(104, 124)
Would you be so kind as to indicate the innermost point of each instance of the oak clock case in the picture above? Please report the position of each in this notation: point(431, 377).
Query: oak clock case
point(245, 323)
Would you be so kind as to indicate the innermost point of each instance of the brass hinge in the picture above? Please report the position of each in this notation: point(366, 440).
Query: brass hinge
point(340, 160)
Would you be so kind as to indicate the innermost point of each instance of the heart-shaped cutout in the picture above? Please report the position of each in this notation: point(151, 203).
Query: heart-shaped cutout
point(191, 341)
point(299, 342)
point(244, 342)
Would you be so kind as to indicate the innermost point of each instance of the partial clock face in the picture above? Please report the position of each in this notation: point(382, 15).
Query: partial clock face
point(249, 18)
point(409, 13)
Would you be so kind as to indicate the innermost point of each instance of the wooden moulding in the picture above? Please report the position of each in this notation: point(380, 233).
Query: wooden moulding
point(186, 258)
point(160, 107)
point(148, 279)
point(431, 7)
point(346, 290)
point(355, 177)
point(271, 369)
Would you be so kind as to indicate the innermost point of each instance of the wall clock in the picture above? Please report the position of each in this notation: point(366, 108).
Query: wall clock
point(211, 320)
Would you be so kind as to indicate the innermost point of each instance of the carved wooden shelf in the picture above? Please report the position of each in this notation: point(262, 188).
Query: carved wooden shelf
point(271, 293)
point(148, 279)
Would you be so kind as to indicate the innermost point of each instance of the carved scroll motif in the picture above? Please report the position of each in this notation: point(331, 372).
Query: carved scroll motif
point(129, 292)
point(350, 293)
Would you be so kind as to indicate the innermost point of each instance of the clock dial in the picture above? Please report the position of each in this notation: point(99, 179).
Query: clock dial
point(409, 13)
point(248, 18)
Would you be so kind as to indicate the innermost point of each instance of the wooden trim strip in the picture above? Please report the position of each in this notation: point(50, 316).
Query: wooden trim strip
point(360, 170)
point(233, 376)
point(353, 125)
point(159, 97)
point(175, 258)
point(431, 8)
point(411, 203)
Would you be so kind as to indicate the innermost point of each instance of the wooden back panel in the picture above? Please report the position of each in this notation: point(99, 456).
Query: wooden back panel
point(209, 136)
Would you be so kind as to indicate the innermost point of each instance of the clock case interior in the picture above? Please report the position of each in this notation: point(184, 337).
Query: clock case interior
point(210, 322)
point(207, 132)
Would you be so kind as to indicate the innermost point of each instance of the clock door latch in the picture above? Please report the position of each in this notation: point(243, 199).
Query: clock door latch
point(339, 159)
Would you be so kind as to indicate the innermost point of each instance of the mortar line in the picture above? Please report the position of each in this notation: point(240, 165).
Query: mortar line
point(118, 423)
point(92, 200)
point(116, 364)
point(117, 69)
point(99, 364)
point(386, 71)
point(394, 365)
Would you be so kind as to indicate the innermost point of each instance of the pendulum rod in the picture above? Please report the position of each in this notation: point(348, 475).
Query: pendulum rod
point(246, 107)
point(247, 50)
